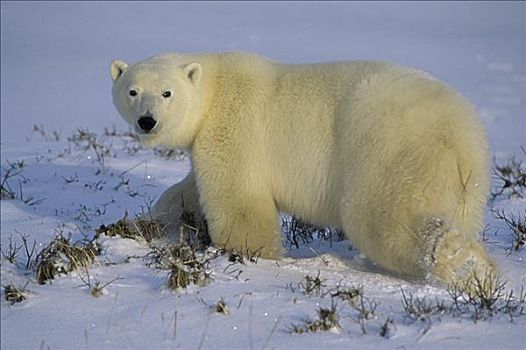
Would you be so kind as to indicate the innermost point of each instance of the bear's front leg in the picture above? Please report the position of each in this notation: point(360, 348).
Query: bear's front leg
point(177, 205)
point(240, 221)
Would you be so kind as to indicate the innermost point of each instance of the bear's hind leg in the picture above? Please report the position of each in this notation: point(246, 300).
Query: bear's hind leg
point(452, 257)
point(425, 221)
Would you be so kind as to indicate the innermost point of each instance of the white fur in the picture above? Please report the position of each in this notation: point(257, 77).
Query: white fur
point(391, 155)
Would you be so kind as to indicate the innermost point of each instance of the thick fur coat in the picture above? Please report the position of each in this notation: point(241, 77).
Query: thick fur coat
point(394, 157)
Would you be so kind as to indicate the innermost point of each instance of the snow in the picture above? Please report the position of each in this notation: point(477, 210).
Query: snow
point(55, 72)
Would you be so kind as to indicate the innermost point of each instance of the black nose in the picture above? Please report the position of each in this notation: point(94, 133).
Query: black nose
point(147, 123)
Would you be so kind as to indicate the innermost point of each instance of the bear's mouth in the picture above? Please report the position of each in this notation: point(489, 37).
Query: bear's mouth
point(147, 134)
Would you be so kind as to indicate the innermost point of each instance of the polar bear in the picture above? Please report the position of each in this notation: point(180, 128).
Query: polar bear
point(394, 157)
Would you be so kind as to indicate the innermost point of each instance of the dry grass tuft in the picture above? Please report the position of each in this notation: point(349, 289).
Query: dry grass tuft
point(312, 285)
point(96, 288)
point(484, 297)
point(517, 224)
point(512, 178)
point(61, 256)
point(181, 276)
point(350, 295)
point(422, 308)
point(328, 320)
point(138, 229)
point(366, 310)
point(14, 295)
point(388, 328)
point(299, 232)
point(222, 308)
point(182, 260)
point(185, 265)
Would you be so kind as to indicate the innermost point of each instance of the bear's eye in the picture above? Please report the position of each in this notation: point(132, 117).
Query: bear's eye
point(133, 93)
point(167, 94)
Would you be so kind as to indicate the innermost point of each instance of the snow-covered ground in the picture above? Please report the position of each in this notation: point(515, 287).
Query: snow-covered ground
point(54, 72)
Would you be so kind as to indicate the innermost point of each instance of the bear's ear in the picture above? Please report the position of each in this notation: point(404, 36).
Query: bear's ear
point(193, 72)
point(117, 68)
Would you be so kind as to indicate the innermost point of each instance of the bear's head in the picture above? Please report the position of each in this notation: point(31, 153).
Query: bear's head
point(159, 99)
